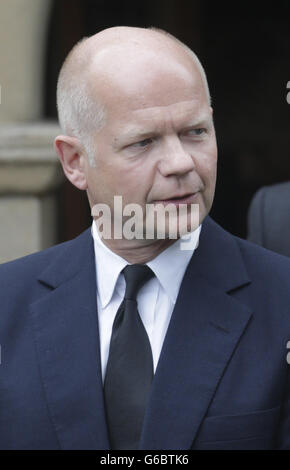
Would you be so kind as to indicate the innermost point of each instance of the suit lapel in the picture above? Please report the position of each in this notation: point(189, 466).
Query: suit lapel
point(66, 334)
point(203, 333)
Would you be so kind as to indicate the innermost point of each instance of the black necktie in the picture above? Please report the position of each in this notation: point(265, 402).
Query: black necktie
point(130, 366)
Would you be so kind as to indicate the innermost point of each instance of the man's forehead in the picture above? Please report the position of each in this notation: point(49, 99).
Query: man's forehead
point(129, 60)
point(129, 76)
point(155, 119)
point(177, 110)
point(116, 59)
point(137, 83)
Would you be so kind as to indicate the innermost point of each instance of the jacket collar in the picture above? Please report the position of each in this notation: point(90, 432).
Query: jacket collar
point(216, 259)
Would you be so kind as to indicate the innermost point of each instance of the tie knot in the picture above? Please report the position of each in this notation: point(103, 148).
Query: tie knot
point(136, 275)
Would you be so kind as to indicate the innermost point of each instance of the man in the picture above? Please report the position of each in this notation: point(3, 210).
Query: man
point(196, 357)
point(269, 218)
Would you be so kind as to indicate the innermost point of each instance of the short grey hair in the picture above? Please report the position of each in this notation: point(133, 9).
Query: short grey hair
point(79, 113)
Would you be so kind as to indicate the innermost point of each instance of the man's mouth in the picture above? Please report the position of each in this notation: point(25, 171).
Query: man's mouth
point(189, 198)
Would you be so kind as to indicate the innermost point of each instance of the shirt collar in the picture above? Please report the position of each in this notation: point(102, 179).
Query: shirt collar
point(169, 266)
point(108, 267)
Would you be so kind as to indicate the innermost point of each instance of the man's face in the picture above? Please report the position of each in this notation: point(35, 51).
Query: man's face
point(158, 142)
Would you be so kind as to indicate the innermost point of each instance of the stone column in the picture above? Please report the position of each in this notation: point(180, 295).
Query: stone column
point(23, 32)
point(30, 174)
point(29, 169)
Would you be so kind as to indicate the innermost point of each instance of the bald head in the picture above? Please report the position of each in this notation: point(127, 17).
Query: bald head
point(94, 62)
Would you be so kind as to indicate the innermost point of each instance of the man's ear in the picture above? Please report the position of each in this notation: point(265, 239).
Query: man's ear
point(73, 159)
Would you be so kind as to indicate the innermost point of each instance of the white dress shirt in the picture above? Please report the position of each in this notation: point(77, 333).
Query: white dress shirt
point(156, 299)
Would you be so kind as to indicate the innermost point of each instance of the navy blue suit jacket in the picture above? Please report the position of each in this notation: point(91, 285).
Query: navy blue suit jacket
point(222, 381)
point(269, 218)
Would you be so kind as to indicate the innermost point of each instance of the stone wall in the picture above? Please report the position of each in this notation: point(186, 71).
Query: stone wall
point(30, 172)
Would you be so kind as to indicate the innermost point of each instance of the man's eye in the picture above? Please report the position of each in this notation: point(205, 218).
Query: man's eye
point(143, 143)
point(196, 132)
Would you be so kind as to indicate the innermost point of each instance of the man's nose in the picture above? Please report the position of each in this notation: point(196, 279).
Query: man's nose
point(175, 159)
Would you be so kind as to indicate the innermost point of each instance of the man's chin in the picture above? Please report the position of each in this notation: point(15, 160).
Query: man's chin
point(173, 229)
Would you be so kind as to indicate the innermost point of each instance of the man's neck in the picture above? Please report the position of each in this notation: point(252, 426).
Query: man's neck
point(135, 252)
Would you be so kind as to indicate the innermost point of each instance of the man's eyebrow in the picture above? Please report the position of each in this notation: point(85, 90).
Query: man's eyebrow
point(129, 135)
point(196, 121)
point(135, 133)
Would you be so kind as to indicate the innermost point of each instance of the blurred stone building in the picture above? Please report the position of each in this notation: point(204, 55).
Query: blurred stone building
point(244, 48)
point(29, 170)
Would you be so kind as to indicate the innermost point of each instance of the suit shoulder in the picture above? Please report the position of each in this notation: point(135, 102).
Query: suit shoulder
point(280, 188)
point(273, 190)
point(259, 258)
point(259, 261)
point(271, 200)
point(31, 265)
